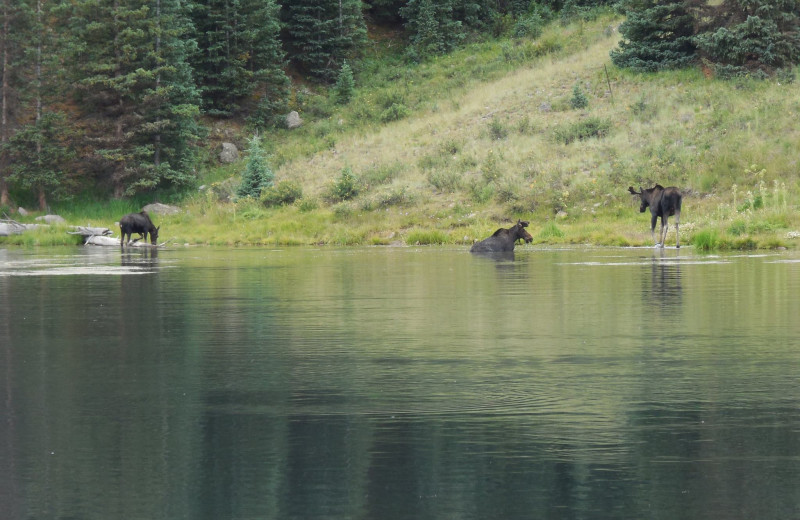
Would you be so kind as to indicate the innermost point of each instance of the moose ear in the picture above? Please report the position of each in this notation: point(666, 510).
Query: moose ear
point(159, 227)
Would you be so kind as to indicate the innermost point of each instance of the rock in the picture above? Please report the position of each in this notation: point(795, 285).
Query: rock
point(229, 153)
point(157, 208)
point(293, 120)
point(22, 211)
point(52, 219)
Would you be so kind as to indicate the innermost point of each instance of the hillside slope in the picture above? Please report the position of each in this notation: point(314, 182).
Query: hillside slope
point(447, 151)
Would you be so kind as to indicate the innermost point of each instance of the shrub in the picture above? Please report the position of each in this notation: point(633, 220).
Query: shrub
point(306, 205)
point(497, 129)
point(345, 85)
point(578, 99)
point(345, 187)
point(257, 175)
point(584, 129)
point(283, 193)
point(444, 180)
point(395, 112)
point(528, 26)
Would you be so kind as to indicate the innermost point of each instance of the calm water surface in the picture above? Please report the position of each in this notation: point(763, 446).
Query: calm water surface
point(399, 383)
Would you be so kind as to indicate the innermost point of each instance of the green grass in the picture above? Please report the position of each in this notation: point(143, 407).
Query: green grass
point(488, 135)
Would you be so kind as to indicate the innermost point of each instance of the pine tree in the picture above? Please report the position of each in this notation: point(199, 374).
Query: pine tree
point(15, 28)
point(257, 175)
point(133, 79)
point(270, 84)
point(345, 85)
point(751, 35)
point(41, 153)
point(658, 35)
point(432, 28)
point(324, 33)
point(240, 57)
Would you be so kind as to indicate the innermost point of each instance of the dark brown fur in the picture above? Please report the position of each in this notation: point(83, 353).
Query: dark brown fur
point(138, 223)
point(663, 202)
point(503, 240)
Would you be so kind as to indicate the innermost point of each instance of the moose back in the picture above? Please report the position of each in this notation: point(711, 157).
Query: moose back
point(503, 240)
point(137, 223)
point(663, 202)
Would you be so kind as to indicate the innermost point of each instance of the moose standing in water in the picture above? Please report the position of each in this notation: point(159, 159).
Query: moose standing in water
point(663, 202)
point(503, 240)
point(138, 223)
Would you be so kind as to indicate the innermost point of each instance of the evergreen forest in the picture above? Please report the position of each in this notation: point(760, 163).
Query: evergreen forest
point(128, 99)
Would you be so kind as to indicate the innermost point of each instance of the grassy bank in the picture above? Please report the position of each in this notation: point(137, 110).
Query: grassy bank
point(447, 151)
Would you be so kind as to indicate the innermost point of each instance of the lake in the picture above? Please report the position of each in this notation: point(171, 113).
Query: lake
point(399, 383)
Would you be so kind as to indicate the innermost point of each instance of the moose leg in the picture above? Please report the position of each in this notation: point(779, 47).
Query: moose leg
point(677, 224)
point(664, 229)
point(653, 228)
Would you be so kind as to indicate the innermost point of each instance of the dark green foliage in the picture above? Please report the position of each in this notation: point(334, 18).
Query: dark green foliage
point(257, 176)
point(345, 187)
point(132, 75)
point(657, 35)
point(395, 112)
point(734, 37)
point(40, 155)
point(578, 99)
point(241, 57)
point(432, 27)
point(322, 34)
point(584, 129)
point(282, 194)
point(745, 36)
point(345, 85)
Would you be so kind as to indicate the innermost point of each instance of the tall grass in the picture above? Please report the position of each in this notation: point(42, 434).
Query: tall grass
point(489, 133)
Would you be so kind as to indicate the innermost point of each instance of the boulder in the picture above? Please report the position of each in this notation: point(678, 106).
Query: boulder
point(293, 120)
point(229, 153)
point(157, 208)
point(52, 219)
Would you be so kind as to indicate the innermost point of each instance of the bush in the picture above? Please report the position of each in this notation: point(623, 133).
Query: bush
point(579, 99)
point(345, 85)
point(395, 112)
point(282, 194)
point(528, 26)
point(345, 187)
point(306, 205)
point(585, 129)
point(257, 175)
point(444, 180)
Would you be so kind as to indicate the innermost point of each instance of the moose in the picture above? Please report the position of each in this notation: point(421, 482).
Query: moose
point(503, 240)
point(137, 223)
point(663, 202)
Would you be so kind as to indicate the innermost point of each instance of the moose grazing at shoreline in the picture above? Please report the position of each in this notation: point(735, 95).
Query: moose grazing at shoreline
point(137, 223)
point(663, 202)
point(503, 240)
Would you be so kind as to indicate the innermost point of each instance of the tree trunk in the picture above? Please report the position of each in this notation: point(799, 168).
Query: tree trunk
point(4, 131)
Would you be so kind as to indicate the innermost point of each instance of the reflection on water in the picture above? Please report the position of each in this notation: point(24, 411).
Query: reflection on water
point(398, 383)
point(665, 288)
